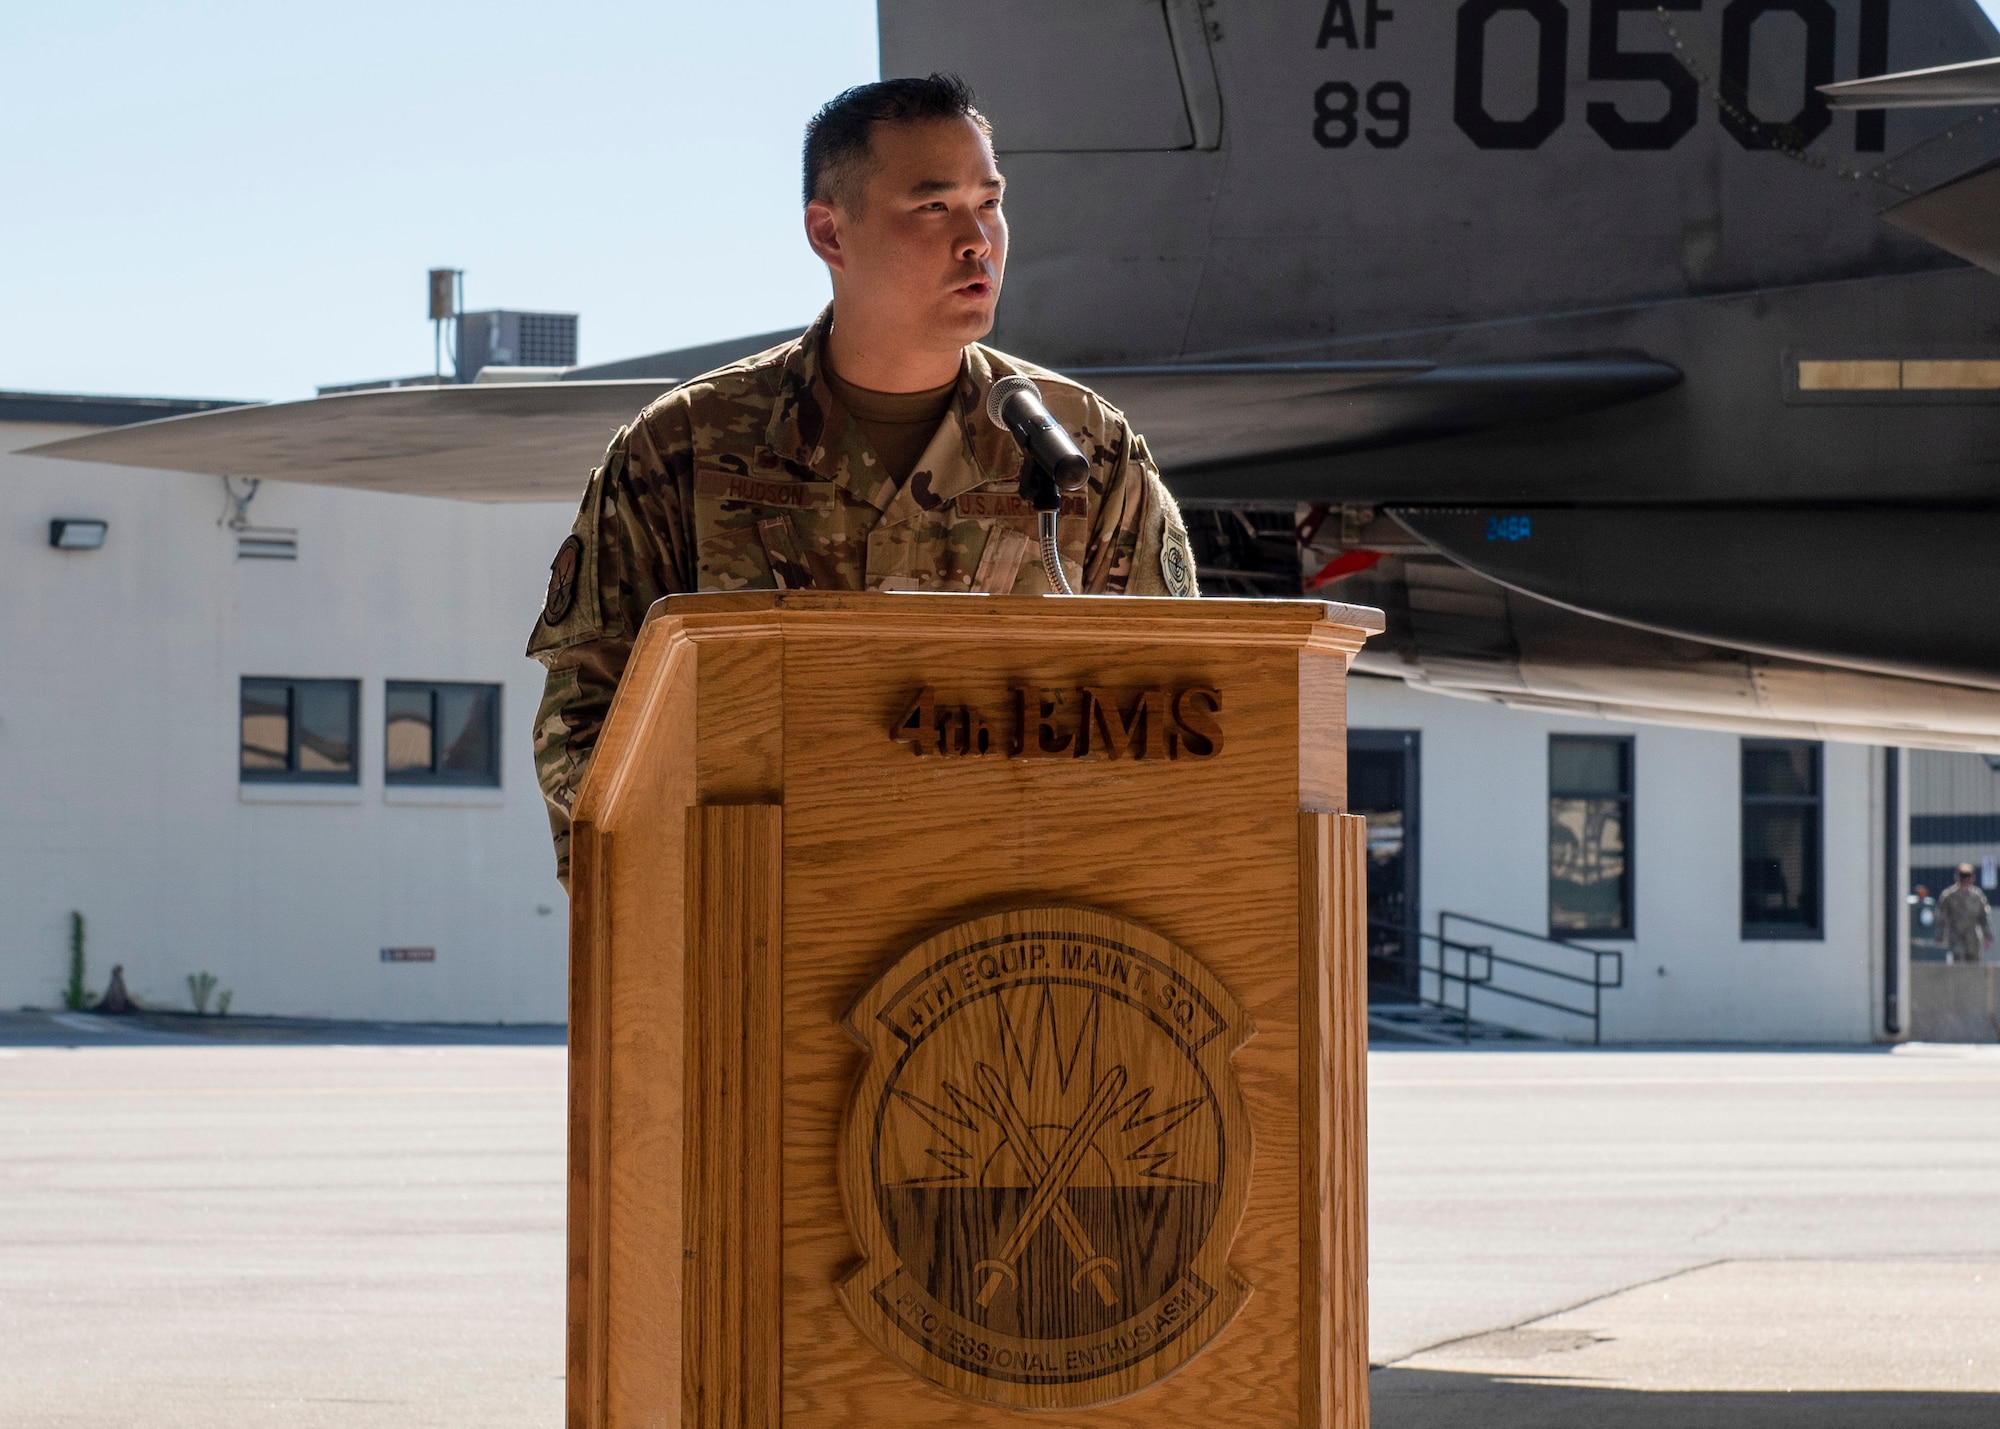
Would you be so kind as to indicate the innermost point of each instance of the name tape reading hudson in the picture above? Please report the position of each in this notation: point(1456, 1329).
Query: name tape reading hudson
point(1084, 723)
point(409, 955)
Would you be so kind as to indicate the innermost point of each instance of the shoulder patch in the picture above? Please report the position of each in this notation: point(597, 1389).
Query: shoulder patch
point(562, 580)
point(1176, 561)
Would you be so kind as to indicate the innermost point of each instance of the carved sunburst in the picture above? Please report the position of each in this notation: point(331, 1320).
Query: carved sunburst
point(1050, 1058)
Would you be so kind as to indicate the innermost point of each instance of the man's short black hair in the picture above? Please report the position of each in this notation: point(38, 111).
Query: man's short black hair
point(836, 158)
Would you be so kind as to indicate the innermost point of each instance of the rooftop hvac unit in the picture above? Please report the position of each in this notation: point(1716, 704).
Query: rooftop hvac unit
point(508, 339)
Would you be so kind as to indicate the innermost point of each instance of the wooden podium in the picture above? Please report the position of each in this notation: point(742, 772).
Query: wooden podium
point(968, 1018)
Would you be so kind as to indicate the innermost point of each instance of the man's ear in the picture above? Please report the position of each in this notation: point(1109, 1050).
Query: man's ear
point(823, 233)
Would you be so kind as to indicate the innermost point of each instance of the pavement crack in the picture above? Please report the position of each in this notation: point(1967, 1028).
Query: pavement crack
point(1528, 1320)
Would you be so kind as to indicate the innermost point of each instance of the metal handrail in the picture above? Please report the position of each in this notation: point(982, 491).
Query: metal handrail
point(1475, 964)
point(1597, 982)
point(1442, 972)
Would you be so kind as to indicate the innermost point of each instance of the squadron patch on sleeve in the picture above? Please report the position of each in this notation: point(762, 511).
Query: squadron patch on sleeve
point(1176, 562)
point(562, 581)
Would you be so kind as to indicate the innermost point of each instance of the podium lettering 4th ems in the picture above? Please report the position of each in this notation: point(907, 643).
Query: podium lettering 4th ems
point(1089, 722)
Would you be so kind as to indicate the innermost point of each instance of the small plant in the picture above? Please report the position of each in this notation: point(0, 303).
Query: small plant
point(222, 1002)
point(200, 985)
point(74, 996)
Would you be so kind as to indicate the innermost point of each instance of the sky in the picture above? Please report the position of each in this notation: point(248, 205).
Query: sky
point(210, 199)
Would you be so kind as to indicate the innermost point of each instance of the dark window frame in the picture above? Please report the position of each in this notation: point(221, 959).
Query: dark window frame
point(1628, 800)
point(435, 777)
point(1815, 849)
point(1408, 745)
point(291, 773)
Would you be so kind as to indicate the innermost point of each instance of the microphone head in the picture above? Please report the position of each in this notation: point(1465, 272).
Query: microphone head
point(998, 394)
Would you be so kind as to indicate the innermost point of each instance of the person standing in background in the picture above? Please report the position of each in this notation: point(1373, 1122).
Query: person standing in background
point(1965, 918)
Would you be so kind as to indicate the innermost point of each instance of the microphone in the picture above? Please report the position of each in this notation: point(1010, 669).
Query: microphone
point(1053, 464)
point(1016, 404)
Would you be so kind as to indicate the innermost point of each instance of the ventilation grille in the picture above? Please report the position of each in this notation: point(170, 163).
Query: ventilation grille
point(505, 338)
point(267, 543)
point(547, 340)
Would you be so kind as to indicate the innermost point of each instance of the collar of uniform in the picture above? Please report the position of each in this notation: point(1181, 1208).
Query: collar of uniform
point(943, 471)
point(989, 447)
point(942, 474)
point(812, 429)
point(967, 451)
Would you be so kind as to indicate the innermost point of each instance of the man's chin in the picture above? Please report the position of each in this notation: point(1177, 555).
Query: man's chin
point(967, 322)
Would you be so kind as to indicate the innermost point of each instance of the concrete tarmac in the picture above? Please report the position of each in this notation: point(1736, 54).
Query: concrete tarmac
point(1643, 1238)
point(280, 1234)
point(297, 1225)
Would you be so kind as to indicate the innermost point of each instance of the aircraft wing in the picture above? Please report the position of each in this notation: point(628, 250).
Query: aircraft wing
point(1961, 216)
point(1958, 215)
point(1942, 87)
point(1203, 416)
point(1895, 590)
point(477, 442)
point(537, 441)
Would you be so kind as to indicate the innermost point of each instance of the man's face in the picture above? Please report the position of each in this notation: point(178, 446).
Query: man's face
point(922, 258)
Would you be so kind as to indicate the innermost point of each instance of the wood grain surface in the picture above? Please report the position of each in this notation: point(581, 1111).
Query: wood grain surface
point(734, 1110)
point(1046, 1158)
point(1333, 1079)
point(763, 698)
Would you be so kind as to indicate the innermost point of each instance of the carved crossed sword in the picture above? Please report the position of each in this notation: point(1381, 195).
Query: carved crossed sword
point(1052, 1176)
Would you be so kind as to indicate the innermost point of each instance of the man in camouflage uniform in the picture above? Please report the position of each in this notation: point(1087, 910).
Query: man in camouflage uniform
point(860, 456)
point(1964, 919)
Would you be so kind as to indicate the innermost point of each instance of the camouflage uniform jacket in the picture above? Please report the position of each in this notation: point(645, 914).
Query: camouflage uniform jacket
point(753, 478)
point(1964, 916)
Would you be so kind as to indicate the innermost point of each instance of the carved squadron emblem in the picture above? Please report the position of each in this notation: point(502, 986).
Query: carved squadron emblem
point(1046, 1159)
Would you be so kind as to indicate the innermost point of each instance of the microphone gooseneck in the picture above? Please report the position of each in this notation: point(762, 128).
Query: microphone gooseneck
point(1045, 528)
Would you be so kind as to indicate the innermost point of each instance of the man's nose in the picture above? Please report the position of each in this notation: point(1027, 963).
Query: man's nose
point(972, 241)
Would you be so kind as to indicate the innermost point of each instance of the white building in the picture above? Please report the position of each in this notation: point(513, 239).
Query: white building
point(293, 752)
point(122, 786)
point(1796, 957)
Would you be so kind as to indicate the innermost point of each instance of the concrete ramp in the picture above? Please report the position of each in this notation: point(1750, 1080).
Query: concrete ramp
point(1954, 1002)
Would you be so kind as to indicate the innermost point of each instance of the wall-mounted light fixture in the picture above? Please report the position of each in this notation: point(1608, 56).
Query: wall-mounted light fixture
point(69, 533)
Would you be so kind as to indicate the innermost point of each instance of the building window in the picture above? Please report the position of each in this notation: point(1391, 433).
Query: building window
point(1590, 835)
point(1781, 839)
point(299, 731)
point(441, 733)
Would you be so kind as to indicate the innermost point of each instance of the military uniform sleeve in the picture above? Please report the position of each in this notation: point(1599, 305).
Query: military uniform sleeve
point(1140, 545)
point(628, 548)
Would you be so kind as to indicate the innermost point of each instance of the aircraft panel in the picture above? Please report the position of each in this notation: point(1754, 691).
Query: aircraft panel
point(1453, 632)
point(1961, 216)
point(1063, 103)
point(1736, 430)
point(1898, 590)
point(1413, 211)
